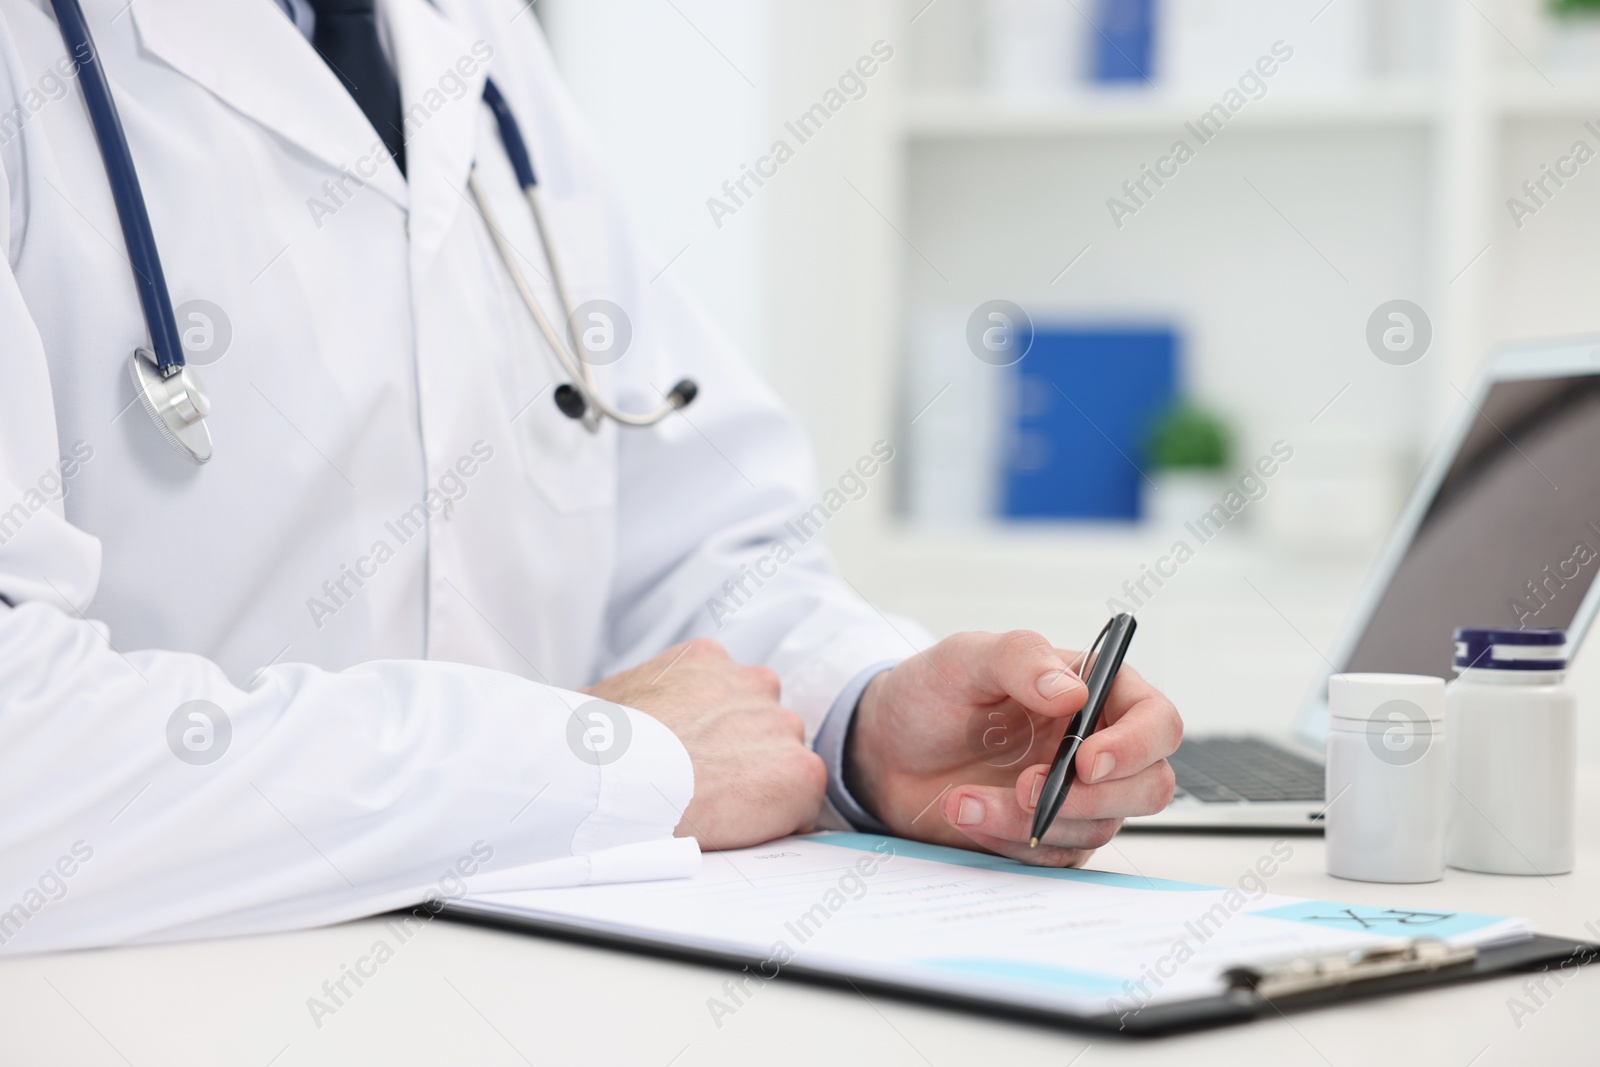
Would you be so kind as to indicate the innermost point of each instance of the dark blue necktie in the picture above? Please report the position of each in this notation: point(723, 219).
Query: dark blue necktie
point(346, 36)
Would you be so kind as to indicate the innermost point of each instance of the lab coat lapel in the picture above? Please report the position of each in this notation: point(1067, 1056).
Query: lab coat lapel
point(254, 59)
point(442, 71)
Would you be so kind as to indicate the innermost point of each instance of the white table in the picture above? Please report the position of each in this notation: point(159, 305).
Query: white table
point(456, 994)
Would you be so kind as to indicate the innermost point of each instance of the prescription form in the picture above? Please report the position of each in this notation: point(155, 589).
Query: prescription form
point(962, 923)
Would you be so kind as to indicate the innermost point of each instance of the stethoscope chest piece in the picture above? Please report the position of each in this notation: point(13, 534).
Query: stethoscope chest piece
point(176, 401)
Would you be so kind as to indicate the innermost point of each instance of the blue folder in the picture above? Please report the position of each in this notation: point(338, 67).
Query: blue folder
point(1123, 40)
point(1085, 401)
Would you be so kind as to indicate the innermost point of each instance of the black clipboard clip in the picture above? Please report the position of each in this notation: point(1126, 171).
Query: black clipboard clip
point(1297, 976)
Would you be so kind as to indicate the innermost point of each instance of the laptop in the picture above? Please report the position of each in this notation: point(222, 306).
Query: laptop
point(1503, 529)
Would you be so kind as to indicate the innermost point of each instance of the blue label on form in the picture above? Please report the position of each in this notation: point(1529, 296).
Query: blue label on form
point(1384, 922)
point(982, 861)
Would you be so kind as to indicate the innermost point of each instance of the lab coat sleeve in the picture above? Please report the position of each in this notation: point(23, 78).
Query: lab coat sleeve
point(304, 797)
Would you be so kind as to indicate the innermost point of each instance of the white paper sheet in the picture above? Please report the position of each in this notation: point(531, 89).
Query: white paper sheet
point(964, 923)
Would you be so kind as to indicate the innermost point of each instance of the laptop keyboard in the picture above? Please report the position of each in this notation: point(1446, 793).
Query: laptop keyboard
point(1223, 770)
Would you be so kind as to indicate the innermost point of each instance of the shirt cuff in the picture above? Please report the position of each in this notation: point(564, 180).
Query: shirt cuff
point(830, 742)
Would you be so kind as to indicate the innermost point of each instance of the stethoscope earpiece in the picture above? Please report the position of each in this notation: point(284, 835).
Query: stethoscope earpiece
point(569, 398)
point(570, 401)
point(683, 393)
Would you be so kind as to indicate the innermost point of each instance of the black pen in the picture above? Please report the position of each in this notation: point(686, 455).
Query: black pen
point(1116, 635)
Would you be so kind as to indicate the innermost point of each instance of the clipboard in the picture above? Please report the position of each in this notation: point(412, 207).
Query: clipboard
point(1249, 990)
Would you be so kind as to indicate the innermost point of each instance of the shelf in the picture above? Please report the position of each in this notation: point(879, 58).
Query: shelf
point(950, 115)
point(1032, 560)
point(1531, 98)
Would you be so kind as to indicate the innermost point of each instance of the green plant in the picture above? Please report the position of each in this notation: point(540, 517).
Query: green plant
point(1187, 437)
point(1575, 7)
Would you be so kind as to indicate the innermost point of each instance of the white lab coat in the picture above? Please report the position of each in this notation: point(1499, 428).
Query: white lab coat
point(397, 688)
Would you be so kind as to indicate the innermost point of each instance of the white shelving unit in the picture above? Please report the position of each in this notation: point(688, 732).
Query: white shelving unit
point(1450, 145)
point(1522, 97)
point(948, 115)
point(1394, 188)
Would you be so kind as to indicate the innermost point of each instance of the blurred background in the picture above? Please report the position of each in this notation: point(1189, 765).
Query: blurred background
point(960, 180)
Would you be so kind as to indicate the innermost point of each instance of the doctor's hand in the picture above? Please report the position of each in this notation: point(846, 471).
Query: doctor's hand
point(754, 776)
point(952, 745)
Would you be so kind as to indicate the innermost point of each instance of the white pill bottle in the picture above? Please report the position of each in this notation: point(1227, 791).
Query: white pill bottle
point(1512, 753)
point(1385, 814)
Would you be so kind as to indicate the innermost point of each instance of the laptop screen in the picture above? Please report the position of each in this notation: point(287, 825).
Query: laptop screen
point(1512, 535)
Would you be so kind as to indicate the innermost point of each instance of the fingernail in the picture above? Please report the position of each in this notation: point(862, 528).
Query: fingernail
point(969, 812)
point(1038, 787)
point(1103, 765)
point(1054, 683)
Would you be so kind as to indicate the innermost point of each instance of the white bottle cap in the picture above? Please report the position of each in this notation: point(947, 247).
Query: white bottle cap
point(1359, 697)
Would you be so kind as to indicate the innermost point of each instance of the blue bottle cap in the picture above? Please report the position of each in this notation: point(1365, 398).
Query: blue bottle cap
point(1484, 648)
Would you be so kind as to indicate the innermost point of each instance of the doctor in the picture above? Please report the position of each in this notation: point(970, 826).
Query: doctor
point(361, 646)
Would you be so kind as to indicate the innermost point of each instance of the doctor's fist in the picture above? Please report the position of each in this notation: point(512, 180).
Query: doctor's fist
point(754, 776)
point(951, 747)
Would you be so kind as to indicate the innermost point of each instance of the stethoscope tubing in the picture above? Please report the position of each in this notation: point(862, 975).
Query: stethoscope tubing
point(572, 361)
point(126, 192)
point(174, 396)
point(575, 368)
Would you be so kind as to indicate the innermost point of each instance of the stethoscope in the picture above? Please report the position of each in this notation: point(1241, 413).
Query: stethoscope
point(172, 392)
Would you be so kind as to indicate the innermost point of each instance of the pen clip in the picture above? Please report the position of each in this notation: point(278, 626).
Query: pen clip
point(1083, 660)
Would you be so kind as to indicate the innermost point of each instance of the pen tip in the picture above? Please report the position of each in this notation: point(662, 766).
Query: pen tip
point(1033, 842)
